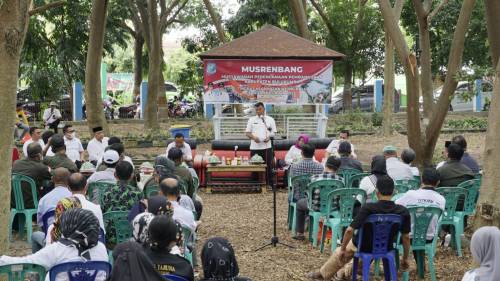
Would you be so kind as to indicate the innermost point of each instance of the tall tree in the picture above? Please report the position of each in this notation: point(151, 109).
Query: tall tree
point(389, 71)
point(424, 143)
point(93, 98)
point(489, 201)
point(216, 21)
point(299, 12)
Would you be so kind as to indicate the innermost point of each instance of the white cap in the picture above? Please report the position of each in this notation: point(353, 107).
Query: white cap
point(110, 157)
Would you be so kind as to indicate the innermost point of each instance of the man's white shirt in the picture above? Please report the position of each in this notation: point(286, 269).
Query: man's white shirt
point(258, 126)
point(187, 154)
point(73, 148)
point(96, 148)
point(28, 142)
point(50, 116)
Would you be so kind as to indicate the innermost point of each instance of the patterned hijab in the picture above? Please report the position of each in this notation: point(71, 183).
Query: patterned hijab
point(485, 248)
point(219, 261)
point(80, 228)
point(158, 205)
point(304, 137)
point(164, 167)
point(140, 226)
point(62, 206)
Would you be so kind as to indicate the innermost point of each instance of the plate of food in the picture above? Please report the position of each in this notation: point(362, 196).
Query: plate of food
point(214, 160)
point(256, 159)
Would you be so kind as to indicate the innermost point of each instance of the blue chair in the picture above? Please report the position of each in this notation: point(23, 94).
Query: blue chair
point(172, 277)
point(45, 219)
point(102, 236)
point(80, 271)
point(382, 239)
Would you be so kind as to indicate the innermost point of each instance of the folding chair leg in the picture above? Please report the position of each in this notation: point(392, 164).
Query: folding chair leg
point(420, 255)
point(355, 262)
point(432, 270)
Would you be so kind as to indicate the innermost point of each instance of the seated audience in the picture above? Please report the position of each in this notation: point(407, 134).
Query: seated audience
point(74, 147)
point(110, 159)
point(307, 164)
point(131, 264)
point(118, 147)
point(485, 249)
point(346, 160)
point(122, 196)
point(60, 159)
point(78, 186)
point(339, 265)
point(467, 160)
point(294, 154)
point(97, 145)
point(87, 169)
point(45, 137)
point(163, 235)
point(179, 143)
point(408, 156)
point(32, 167)
point(182, 173)
point(396, 169)
point(170, 189)
point(78, 242)
point(378, 170)
point(219, 261)
point(123, 157)
point(332, 149)
point(49, 201)
point(453, 172)
point(36, 137)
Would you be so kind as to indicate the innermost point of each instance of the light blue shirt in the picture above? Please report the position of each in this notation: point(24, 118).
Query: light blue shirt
point(49, 202)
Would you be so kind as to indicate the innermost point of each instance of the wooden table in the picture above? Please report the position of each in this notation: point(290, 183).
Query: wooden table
point(236, 183)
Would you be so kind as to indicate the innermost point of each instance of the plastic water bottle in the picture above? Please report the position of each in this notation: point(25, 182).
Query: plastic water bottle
point(447, 240)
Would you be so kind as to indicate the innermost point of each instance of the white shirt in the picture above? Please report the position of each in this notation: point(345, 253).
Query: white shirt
point(258, 126)
point(94, 208)
point(107, 175)
point(398, 170)
point(470, 275)
point(187, 154)
point(49, 202)
point(424, 197)
point(57, 253)
point(334, 146)
point(183, 216)
point(415, 171)
point(50, 116)
point(125, 158)
point(367, 185)
point(96, 148)
point(28, 142)
point(294, 155)
point(73, 148)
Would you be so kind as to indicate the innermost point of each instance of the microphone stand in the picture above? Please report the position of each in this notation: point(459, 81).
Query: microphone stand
point(274, 239)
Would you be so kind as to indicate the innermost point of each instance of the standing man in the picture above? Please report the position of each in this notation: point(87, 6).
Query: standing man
point(36, 136)
point(74, 148)
point(97, 145)
point(52, 117)
point(187, 155)
point(260, 129)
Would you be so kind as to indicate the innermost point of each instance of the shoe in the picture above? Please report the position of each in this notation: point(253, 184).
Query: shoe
point(299, 237)
point(315, 275)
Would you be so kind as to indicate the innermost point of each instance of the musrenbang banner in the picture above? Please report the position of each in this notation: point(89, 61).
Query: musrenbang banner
point(268, 81)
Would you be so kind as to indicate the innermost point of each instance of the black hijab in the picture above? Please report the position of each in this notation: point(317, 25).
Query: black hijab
point(378, 166)
point(132, 264)
point(219, 261)
point(80, 228)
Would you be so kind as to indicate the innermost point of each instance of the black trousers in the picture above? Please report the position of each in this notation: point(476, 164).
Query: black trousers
point(54, 125)
point(267, 155)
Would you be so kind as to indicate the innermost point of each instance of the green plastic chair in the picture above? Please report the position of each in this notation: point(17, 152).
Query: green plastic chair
point(26, 215)
point(189, 243)
point(421, 218)
point(300, 184)
point(401, 188)
point(123, 229)
point(479, 177)
point(196, 182)
point(341, 217)
point(151, 190)
point(22, 271)
point(346, 174)
point(355, 180)
point(451, 216)
point(183, 187)
point(472, 187)
point(413, 184)
point(96, 190)
point(419, 179)
point(325, 187)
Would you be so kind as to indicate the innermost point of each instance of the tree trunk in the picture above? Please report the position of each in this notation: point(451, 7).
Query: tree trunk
point(347, 95)
point(492, 9)
point(327, 22)
point(138, 46)
point(93, 98)
point(425, 65)
point(13, 26)
point(300, 17)
point(389, 82)
point(489, 201)
point(155, 60)
point(216, 20)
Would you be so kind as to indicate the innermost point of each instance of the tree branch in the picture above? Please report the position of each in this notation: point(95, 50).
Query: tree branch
point(326, 21)
point(437, 10)
point(165, 12)
point(43, 8)
point(172, 19)
point(128, 28)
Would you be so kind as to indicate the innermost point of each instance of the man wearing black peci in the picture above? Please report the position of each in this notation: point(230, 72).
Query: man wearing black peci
point(260, 129)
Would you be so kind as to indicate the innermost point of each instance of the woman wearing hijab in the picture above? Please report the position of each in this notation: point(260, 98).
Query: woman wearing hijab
point(79, 230)
point(163, 236)
point(485, 249)
point(219, 261)
point(54, 230)
point(295, 153)
point(369, 183)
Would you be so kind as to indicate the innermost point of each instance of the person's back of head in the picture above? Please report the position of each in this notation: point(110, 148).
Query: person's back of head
point(46, 136)
point(58, 146)
point(408, 155)
point(455, 152)
point(113, 140)
point(219, 260)
point(385, 186)
point(308, 150)
point(170, 188)
point(34, 151)
point(175, 154)
point(378, 166)
point(118, 147)
point(344, 149)
point(61, 176)
point(124, 171)
point(460, 140)
point(162, 233)
point(77, 182)
point(390, 151)
point(333, 163)
point(430, 177)
point(485, 249)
